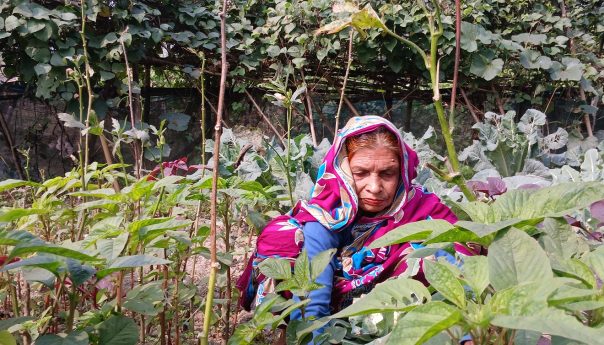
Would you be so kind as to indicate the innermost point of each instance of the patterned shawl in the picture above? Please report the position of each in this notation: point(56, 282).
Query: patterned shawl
point(334, 204)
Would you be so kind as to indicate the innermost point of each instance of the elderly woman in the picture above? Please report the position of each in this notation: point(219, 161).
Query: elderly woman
point(364, 190)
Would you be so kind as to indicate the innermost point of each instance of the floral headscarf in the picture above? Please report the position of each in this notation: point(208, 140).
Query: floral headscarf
point(334, 204)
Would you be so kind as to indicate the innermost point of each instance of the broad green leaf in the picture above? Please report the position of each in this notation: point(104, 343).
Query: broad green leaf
point(527, 337)
point(365, 19)
point(475, 270)
point(302, 269)
point(246, 332)
point(559, 240)
point(574, 268)
point(566, 294)
point(176, 121)
point(486, 68)
point(595, 260)
point(482, 230)
point(118, 330)
point(392, 295)
point(143, 299)
point(70, 121)
point(151, 231)
point(444, 281)
point(525, 37)
point(523, 299)
point(130, 262)
point(468, 37)
point(411, 232)
point(11, 23)
point(42, 68)
point(11, 184)
point(14, 321)
point(79, 273)
point(105, 75)
point(112, 248)
point(276, 268)
point(287, 311)
point(554, 201)
point(6, 338)
point(167, 181)
point(455, 234)
point(103, 204)
point(319, 262)
point(39, 246)
point(361, 20)
point(12, 214)
point(39, 275)
point(13, 238)
point(516, 258)
point(583, 306)
point(424, 322)
point(74, 338)
point(101, 193)
point(46, 262)
point(137, 261)
point(553, 322)
point(334, 27)
point(590, 168)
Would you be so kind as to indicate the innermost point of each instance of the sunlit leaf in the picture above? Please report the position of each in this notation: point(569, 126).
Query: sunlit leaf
point(444, 281)
point(424, 322)
point(411, 232)
point(392, 295)
point(516, 258)
point(276, 268)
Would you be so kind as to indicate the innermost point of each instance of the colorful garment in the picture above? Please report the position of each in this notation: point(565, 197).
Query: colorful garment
point(334, 204)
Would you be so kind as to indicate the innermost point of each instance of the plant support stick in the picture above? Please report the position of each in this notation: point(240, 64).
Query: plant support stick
point(213, 197)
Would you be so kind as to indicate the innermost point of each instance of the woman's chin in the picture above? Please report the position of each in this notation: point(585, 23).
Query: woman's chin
point(371, 209)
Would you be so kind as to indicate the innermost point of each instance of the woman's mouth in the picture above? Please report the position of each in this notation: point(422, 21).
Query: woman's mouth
point(373, 202)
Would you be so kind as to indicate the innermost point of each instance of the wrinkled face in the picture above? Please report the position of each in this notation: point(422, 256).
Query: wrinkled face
point(376, 173)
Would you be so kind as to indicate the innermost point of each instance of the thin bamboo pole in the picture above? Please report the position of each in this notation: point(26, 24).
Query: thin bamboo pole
point(214, 194)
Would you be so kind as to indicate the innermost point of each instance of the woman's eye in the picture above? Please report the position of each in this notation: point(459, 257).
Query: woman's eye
point(359, 174)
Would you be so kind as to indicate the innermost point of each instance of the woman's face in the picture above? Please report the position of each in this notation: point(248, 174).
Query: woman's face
point(376, 173)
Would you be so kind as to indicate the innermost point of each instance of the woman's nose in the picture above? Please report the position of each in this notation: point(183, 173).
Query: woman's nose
point(374, 185)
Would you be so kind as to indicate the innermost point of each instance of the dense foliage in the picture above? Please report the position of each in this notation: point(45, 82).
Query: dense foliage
point(111, 253)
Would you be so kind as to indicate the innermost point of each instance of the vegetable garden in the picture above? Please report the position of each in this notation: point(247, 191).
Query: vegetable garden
point(134, 245)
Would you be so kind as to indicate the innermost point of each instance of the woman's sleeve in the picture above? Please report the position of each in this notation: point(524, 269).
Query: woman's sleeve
point(316, 240)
